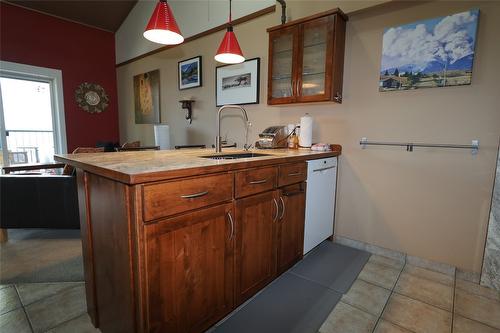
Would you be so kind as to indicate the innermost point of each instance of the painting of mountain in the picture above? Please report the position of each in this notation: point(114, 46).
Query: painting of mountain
point(431, 53)
point(190, 73)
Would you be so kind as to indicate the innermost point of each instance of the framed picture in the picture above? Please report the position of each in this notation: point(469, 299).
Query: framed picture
point(238, 83)
point(190, 73)
point(437, 52)
point(147, 97)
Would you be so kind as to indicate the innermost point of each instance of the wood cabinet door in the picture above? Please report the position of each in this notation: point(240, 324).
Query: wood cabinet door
point(315, 60)
point(290, 225)
point(255, 248)
point(189, 270)
point(282, 71)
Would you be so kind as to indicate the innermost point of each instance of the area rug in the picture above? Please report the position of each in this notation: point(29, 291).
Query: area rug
point(41, 255)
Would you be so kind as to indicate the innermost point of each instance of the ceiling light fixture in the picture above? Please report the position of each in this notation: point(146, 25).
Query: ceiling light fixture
point(229, 51)
point(162, 27)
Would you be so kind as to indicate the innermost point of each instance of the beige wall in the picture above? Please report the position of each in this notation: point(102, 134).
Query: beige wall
point(432, 203)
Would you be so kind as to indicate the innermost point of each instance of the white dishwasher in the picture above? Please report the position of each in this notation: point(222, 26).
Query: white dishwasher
point(320, 201)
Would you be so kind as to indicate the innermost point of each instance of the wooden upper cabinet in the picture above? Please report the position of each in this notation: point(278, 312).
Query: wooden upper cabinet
point(189, 261)
point(306, 59)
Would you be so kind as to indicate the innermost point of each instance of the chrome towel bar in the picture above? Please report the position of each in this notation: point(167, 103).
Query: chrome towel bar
point(474, 146)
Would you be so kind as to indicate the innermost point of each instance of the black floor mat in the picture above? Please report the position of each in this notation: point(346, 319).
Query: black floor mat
point(332, 265)
point(289, 305)
point(301, 299)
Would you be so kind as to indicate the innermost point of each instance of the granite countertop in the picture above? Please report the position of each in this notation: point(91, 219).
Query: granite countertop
point(136, 167)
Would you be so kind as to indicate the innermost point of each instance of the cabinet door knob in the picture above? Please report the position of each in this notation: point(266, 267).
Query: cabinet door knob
point(230, 218)
point(338, 97)
point(293, 174)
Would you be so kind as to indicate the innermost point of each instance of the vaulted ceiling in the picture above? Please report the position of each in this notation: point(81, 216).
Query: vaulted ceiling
point(107, 15)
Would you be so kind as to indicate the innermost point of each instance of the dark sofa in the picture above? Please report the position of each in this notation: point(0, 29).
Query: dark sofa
point(38, 201)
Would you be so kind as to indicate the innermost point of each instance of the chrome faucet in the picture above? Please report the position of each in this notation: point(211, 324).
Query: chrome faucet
point(218, 139)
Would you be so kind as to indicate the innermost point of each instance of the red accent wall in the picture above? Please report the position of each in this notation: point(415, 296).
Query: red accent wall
point(83, 54)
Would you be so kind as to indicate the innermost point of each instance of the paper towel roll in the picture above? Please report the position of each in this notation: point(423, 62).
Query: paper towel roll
point(162, 136)
point(306, 125)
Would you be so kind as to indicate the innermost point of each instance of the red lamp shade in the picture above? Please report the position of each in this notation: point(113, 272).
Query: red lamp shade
point(229, 51)
point(162, 27)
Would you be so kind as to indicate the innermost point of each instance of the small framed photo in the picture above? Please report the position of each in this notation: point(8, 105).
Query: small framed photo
point(190, 73)
point(238, 83)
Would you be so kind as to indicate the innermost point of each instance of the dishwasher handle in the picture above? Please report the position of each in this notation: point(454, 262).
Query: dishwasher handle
point(323, 169)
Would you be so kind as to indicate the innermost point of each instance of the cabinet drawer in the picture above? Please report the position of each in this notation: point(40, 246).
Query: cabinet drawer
point(292, 173)
point(255, 181)
point(164, 199)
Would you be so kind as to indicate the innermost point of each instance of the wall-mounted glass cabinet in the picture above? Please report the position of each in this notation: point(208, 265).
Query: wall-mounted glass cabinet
point(306, 59)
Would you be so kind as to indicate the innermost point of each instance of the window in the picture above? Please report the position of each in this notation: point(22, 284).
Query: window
point(32, 124)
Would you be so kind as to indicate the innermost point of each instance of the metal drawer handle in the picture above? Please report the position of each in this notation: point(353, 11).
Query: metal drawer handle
point(194, 195)
point(277, 209)
point(283, 205)
point(232, 225)
point(295, 174)
point(321, 169)
point(262, 181)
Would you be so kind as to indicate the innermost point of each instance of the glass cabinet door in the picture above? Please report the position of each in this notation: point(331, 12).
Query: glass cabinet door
point(282, 49)
point(315, 65)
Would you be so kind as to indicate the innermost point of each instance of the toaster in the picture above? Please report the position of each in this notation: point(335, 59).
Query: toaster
point(273, 137)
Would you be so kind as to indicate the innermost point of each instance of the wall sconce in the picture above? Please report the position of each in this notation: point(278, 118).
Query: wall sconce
point(188, 105)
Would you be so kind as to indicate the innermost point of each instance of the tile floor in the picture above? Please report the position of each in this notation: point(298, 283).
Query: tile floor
point(44, 307)
point(390, 296)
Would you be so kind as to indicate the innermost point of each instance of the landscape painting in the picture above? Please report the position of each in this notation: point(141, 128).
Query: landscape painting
point(190, 73)
point(147, 97)
point(237, 81)
point(432, 53)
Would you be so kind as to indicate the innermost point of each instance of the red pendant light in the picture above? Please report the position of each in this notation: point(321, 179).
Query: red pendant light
point(162, 27)
point(229, 51)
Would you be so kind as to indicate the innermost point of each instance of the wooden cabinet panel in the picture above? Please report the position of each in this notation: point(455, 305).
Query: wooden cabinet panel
point(292, 173)
point(255, 248)
point(306, 59)
point(189, 263)
point(165, 199)
point(111, 276)
point(254, 181)
point(290, 225)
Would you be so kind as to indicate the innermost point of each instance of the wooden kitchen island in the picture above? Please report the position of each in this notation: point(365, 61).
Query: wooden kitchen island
point(173, 241)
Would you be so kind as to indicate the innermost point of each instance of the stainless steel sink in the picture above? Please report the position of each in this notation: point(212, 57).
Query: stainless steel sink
point(233, 156)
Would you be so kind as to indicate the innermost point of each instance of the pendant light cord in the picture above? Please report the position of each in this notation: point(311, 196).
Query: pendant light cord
point(230, 20)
